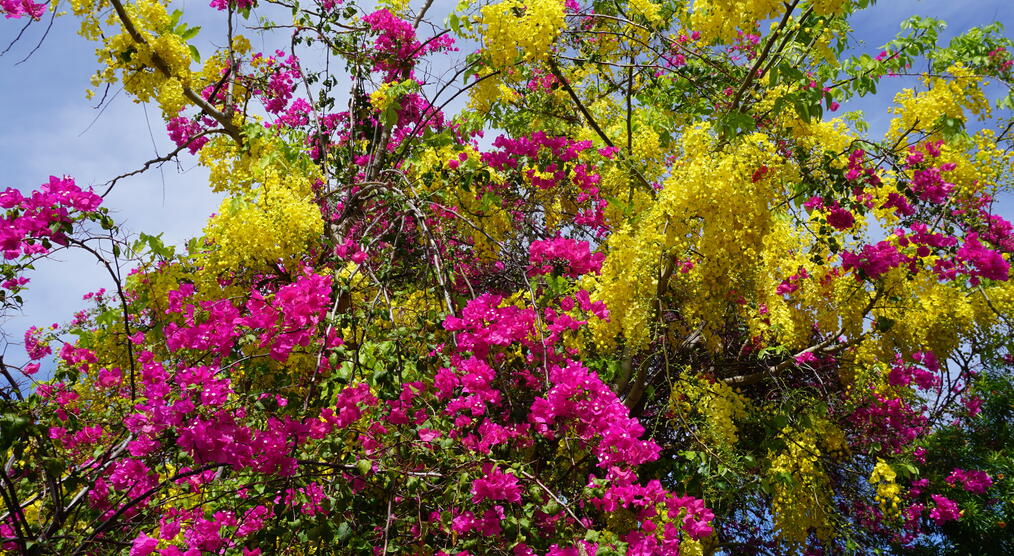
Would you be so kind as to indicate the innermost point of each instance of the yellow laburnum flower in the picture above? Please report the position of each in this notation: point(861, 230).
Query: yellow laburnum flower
point(713, 202)
point(396, 7)
point(648, 9)
point(721, 19)
point(717, 403)
point(944, 98)
point(277, 224)
point(888, 491)
point(521, 27)
point(801, 487)
point(828, 7)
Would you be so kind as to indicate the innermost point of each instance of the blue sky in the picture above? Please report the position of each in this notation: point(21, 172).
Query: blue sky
point(51, 129)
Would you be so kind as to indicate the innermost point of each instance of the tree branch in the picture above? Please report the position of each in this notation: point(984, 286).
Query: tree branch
point(221, 117)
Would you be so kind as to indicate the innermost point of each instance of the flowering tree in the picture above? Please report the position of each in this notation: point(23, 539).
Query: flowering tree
point(644, 294)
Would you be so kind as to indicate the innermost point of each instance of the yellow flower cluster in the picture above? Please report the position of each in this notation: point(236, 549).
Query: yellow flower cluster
point(717, 403)
point(646, 149)
point(84, 7)
point(135, 61)
point(822, 51)
point(981, 167)
point(829, 300)
point(171, 97)
point(277, 224)
point(271, 213)
point(720, 19)
point(387, 95)
point(648, 9)
point(415, 306)
point(150, 15)
point(153, 283)
point(944, 98)
point(647, 154)
point(935, 315)
point(888, 491)
point(396, 7)
point(800, 502)
point(483, 94)
point(264, 160)
point(713, 203)
point(528, 26)
point(815, 136)
point(828, 7)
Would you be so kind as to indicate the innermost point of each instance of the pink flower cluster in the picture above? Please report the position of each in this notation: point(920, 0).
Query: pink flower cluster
point(396, 48)
point(301, 307)
point(513, 151)
point(981, 261)
point(791, 284)
point(495, 485)
point(899, 203)
point(973, 258)
point(14, 9)
point(484, 324)
point(1000, 59)
point(890, 422)
point(999, 231)
point(691, 514)
point(929, 185)
point(286, 321)
point(486, 524)
point(280, 74)
point(223, 5)
point(193, 403)
point(583, 300)
point(873, 260)
point(208, 325)
point(580, 402)
point(572, 257)
point(187, 132)
point(976, 482)
point(202, 534)
point(858, 172)
point(296, 115)
point(541, 81)
point(926, 241)
point(838, 217)
point(129, 476)
point(944, 511)
point(415, 114)
point(34, 347)
point(926, 379)
point(577, 405)
point(546, 161)
point(45, 215)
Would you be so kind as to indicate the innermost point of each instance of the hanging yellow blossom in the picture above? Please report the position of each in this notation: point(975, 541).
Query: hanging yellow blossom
point(516, 27)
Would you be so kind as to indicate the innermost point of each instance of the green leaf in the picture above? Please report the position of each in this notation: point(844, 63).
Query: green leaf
point(884, 324)
point(12, 427)
point(780, 421)
point(190, 33)
point(390, 115)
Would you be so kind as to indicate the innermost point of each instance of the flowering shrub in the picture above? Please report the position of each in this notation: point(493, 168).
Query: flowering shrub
point(665, 306)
